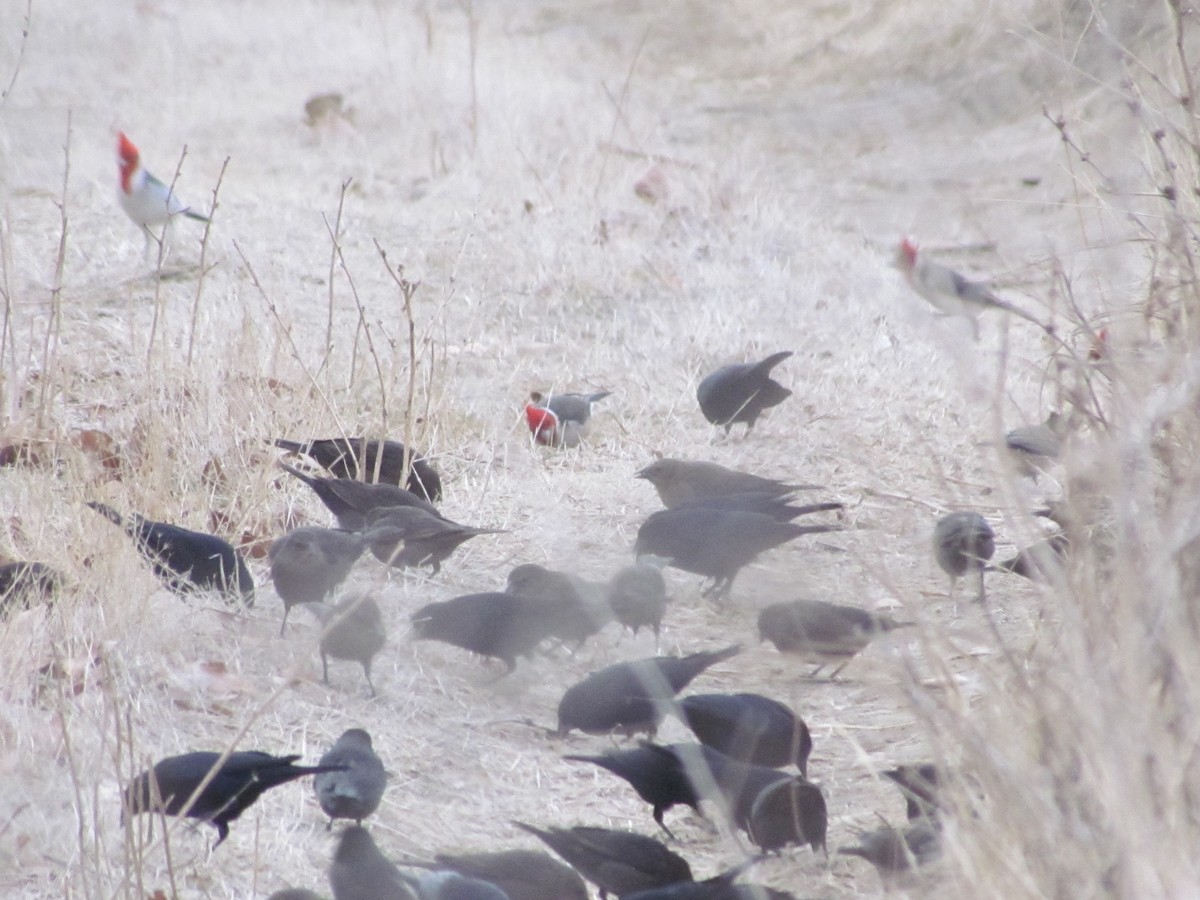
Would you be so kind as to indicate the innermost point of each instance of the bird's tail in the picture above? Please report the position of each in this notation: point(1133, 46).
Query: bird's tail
point(773, 360)
point(199, 217)
point(292, 446)
point(307, 479)
point(108, 512)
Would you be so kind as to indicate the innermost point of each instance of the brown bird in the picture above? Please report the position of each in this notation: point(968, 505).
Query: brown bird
point(345, 458)
point(521, 874)
point(307, 564)
point(680, 481)
point(715, 543)
point(822, 633)
point(963, 542)
point(359, 870)
point(740, 393)
point(637, 595)
point(352, 501)
point(428, 538)
point(576, 608)
point(353, 630)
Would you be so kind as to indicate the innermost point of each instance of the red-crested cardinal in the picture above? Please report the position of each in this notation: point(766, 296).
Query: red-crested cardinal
point(147, 201)
point(569, 407)
point(949, 292)
point(551, 431)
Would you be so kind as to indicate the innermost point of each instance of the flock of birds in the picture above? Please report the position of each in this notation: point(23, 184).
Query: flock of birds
point(715, 521)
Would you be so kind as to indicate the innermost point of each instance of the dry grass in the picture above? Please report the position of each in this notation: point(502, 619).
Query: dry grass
point(493, 152)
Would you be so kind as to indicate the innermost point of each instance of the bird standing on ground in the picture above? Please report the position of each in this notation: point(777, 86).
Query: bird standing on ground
point(351, 502)
point(656, 773)
point(347, 457)
point(359, 870)
point(632, 697)
point(750, 728)
point(428, 539)
point(560, 420)
point(963, 542)
point(576, 608)
point(147, 201)
point(740, 393)
point(355, 791)
point(680, 481)
point(492, 624)
point(239, 781)
point(307, 564)
point(949, 292)
point(186, 561)
point(820, 632)
point(351, 630)
point(637, 595)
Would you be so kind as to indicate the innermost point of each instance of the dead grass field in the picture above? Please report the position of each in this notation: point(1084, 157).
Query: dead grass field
point(494, 150)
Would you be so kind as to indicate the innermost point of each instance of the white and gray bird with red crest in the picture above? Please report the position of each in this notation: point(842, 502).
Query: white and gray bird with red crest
point(149, 202)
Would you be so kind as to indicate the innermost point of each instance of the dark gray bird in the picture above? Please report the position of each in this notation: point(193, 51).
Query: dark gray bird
point(351, 502)
point(239, 781)
point(637, 595)
point(1042, 561)
point(632, 696)
point(491, 624)
point(447, 885)
point(352, 630)
point(295, 894)
point(894, 852)
point(24, 583)
point(359, 870)
point(680, 481)
point(750, 728)
point(919, 785)
point(781, 509)
point(1033, 448)
point(355, 791)
point(576, 608)
point(822, 633)
point(740, 393)
point(307, 564)
point(186, 561)
point(428, 538)
point(344, 458)
point(963, 542)
point(617, 862)
point(569, 407)
point(715, 543)
point(656, 773)
point(522, 874)
point(719, 888)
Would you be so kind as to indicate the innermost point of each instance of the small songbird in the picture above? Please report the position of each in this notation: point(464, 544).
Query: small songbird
point(740, 393)
point(360, 871)
point(569, 407)
point(963, 542)
point(353, 793)
point(949, 292)
point(308, 563)
point(353, 630)
point(1035, 447)
point(147, 201)
point(820, 632)
point(549, 430)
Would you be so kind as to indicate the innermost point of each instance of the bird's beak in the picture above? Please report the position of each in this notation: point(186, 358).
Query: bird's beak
point(641, 473)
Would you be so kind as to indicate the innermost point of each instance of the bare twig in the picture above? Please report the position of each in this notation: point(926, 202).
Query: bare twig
point(50, 344)
point(619, 108)
point(20, 52)
point(204, 268)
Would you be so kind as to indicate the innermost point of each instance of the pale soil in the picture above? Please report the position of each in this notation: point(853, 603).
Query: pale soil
point(796, 143)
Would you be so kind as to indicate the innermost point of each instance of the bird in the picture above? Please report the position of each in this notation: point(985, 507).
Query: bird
point(569, 407)
point(947, 291)
point(680, 481)
point(820, 632)
point(1034, 447)
point(295, 894)
point(352, 630)
point(447, 885)
point(718, 888)
point(492, 624)
point(186, 561)
point(632, 697)
point(347, 457)
point(146, 200)
point(355, 791)
point(963, 542)
point(919, 785)
point(740, 393)
point(715, 543)
point(240, 779)
point(894, 852)
point(637, 595)
point(308, 563)
point(750, 728)
point(781, 509)
point(352, 501)
point(521, 874)
point(360, 871)
point(656, 773)
point(428, 538)
point(576, 608)
point(22, 583)
point(1042, 561)
point(617, 862)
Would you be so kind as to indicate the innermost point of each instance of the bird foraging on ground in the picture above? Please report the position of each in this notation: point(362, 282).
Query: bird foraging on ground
point(428, 538)
point(492, 624)
point(307, 564)
point(240, 779)
point(575, 608)
point(822, 633)
point(680, 481)
point(351, 630)
point(146, 200)
point(740, 393)
point(348, 457)
point(355, 791)
point(569, 407)
point(716, 543)
point(632, 697)
point(949, 292)
point(963, 542)
point(560, 420)
point(637, 595)
point(351, 502)
point(617, 862)
point(750, 728)
point(521, 874)
point(656, 773)
point(360, 871)
point(186, 561)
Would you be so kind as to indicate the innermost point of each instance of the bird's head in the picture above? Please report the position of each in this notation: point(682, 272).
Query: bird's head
point(127, 160)
point(542, 422)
